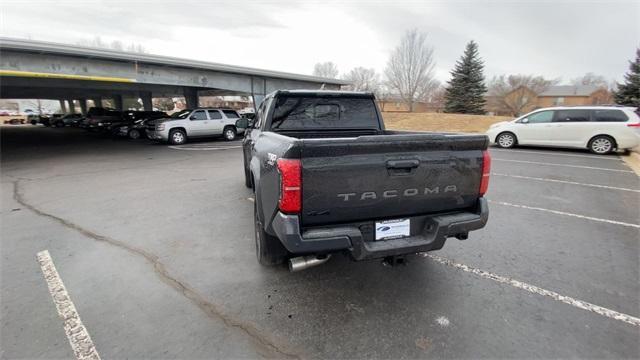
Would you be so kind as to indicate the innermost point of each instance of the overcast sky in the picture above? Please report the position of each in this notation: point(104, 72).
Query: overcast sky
point(556, 39)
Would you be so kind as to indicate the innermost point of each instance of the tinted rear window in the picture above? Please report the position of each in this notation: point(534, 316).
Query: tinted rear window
point(214, 114)
point(231, 114)
point(572, 115)
point(609, 115)
point(303, 113)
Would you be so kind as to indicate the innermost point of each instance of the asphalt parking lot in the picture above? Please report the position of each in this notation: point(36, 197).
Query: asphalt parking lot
point(155, 247)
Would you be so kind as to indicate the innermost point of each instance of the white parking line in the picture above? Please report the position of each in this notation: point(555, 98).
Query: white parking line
point(580, 304)
point(564, 165)
point(566, 214)
point(77, 334)
point(600, 157)
point(566, 182)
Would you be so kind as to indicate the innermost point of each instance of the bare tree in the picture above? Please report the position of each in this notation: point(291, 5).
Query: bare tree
point(37, 104)
point(591, 79)
point(409, 70)
point(163, 104)
point(436, 99)
point(363, 79)
point(326, 69)
point(431, 90)
point(516, 93)
point(97, 42)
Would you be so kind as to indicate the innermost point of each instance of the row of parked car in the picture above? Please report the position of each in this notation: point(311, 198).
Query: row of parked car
point(175, 129)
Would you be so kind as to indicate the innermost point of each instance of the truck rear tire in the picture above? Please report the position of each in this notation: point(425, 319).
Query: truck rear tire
point(269, 250)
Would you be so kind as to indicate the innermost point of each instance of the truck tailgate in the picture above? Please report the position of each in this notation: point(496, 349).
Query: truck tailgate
point(389, 176)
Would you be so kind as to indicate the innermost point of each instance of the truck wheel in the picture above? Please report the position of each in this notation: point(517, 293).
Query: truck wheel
point(134, 134)
point(229, 133)
point(177, 137)
point(269, 250)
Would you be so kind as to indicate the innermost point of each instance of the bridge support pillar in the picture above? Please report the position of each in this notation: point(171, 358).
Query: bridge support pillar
point(191, 97)
point(117, 102)
point(97, 101)
point(63, 106)
point(71, 106)
point(83, 106)
point(257, 100)
point(147, 103)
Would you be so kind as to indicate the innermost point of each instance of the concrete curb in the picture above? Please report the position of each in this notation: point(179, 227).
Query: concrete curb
point(633, 160)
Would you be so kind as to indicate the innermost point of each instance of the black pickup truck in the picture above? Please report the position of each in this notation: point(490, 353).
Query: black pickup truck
point(328, 178)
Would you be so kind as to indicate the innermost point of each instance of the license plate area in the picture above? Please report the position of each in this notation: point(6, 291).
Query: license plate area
point(392, 229)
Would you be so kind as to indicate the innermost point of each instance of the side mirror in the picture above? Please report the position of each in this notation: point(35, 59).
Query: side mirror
point(242, 123)
point(524, 121)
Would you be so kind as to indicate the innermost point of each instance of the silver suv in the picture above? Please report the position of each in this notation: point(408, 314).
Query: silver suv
point(192, 123)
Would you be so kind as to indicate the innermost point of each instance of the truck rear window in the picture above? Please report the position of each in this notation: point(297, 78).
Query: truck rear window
point(305, 113)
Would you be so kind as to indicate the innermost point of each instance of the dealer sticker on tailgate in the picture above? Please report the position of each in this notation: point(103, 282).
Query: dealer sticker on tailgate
point(392, 229)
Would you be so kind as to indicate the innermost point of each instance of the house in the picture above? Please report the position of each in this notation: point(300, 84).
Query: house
point(570, 95)
point(523, 100)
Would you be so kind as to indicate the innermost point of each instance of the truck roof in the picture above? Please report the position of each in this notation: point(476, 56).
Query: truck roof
point(315, 92)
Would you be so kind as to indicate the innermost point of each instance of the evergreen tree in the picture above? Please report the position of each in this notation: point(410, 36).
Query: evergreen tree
point(629, 92)
point(465, 93)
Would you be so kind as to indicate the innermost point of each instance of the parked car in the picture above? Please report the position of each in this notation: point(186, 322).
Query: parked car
point(601, 129)
point(60, 120)
point(328, 177)
point(202, 122)
point(51, 120)
point(101, 119)
point(33, 120)
point(134, 124)
point(14, 121)
point(37, 119)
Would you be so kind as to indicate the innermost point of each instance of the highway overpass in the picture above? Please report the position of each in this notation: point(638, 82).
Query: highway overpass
point(44, 70)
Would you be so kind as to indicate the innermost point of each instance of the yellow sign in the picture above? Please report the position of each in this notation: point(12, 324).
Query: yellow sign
point(64, 76)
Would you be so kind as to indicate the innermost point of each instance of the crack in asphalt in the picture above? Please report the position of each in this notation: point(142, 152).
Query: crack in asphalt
point(212, 310)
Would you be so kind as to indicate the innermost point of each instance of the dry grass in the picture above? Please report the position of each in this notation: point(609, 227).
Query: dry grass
point(440, 122)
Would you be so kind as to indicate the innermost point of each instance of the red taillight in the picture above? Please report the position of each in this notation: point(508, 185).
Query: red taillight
point(290, 201)
point(486, 170)
point(634, 125)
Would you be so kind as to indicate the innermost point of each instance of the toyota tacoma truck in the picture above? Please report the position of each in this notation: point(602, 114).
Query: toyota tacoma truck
point(329, 178)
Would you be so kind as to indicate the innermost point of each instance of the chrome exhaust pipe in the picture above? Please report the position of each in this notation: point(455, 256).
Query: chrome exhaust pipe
point(304, 262)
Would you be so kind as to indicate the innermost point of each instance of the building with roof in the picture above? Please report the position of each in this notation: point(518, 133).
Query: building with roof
point(573, 95)
point(523, 100)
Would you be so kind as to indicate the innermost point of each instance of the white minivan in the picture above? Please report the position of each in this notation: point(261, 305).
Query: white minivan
point(601, 129)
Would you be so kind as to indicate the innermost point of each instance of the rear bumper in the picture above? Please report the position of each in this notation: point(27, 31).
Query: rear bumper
point(428, 232)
